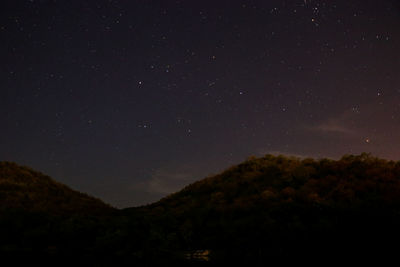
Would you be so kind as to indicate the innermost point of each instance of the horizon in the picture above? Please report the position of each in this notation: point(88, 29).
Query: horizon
point(289, 156)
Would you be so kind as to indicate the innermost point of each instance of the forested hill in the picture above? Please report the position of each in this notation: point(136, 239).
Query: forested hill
point(264, 209)
point(22, 188)
point(277, 206)
point(353, 181)
point(43, 221)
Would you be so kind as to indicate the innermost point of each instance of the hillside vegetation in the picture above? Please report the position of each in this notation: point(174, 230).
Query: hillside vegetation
point(278, 206)
point(353, 181)
point(22, 188)
point(43, 219)
point(264, 209)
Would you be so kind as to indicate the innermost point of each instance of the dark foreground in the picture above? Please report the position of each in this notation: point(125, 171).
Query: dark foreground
point(265, 210)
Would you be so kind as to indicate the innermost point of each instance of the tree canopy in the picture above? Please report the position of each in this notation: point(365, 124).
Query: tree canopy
point(272, 207)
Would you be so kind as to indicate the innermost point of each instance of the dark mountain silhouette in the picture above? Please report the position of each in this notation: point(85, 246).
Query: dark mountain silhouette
point(278, 207)
point(273, 208)
point(42, 220)
point(22, 188)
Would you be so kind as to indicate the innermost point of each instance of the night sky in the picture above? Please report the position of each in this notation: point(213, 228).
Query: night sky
point(132, 100)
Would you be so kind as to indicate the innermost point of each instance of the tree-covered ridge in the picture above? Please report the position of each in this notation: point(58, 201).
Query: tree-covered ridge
point(42, 220)
point(274, 206)
point(26, 189)
point(353, 180)
point(264, 209)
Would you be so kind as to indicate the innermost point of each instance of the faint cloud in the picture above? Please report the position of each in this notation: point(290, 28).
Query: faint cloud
point(334, 126)
point(170, 180)
point(342, 124)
